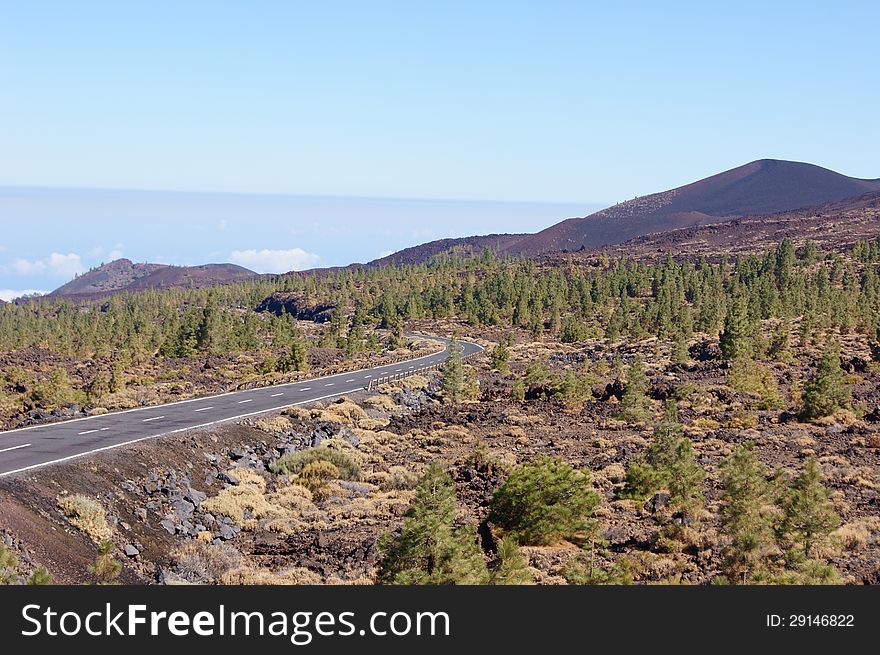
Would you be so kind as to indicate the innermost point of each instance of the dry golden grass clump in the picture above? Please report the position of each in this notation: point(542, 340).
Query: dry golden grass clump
point(235, 502)
point(451, 435)
point(275, 425)
point(199, 562)
point(856, 535)
point(250, 576)
point(373, 423)
point(382, 402)
point(342, 411)
point(87, 515)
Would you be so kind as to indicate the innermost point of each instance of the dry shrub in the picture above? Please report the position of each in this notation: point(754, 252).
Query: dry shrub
point(298, 413)
point(251, 477)
point(204, 563)
point(804, 441)
point(87, 515)
point(614, 473)
point(515, 431)
point(235, 502)
point(293, 496)
point(372, 423)
point(344, 411)
point(250, 576)
point(274, 425)
point(383, 402)
point(523, 421)
point(316, 475)
point(705, 424)
point(741, 420)
point(451, 435)
point(343, 458)
point(397, 478)
point(857, 534)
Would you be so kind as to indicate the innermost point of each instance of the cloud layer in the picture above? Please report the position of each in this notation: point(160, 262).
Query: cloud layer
point(275, 261)
point(55, 265)
point(11, 294)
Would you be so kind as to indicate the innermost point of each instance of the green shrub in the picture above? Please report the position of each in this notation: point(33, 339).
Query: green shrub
point(294, 463)
point(543, 502)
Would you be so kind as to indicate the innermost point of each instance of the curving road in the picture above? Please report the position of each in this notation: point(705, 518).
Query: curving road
point(29, 448)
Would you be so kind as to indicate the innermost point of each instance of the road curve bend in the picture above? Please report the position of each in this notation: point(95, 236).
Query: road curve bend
point(33, 447)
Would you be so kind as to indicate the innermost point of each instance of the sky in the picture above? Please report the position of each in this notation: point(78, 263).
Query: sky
point(558, 105)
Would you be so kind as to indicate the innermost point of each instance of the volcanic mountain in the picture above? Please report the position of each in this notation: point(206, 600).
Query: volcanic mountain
point(766, 186)
point(123, 275)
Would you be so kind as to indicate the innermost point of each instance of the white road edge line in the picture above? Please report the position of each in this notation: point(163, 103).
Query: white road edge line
point(205, 398)
point(163, 434)
point(6, 450)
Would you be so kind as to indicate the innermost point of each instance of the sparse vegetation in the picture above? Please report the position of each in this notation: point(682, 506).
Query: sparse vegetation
point(87, 515)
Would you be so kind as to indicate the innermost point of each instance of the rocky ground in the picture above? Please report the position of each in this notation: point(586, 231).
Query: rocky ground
point(206, 508)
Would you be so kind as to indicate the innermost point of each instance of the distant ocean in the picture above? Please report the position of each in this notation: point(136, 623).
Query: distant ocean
point(196, 228)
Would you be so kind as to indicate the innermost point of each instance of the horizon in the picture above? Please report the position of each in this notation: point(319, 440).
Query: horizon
point(296, 232)
point(24, 274)
point(353, 131)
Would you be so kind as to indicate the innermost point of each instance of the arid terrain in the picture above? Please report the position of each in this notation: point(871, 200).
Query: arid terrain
point(205, 507)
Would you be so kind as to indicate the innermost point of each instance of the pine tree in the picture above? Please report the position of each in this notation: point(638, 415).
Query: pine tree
point(544, 501)
point(511, 568)
point(8, 564)
point(635, 405)
point(500, 357)
point(429, 550)
point(809, 513)
point(827, 391)
point(746, 513)
point(453, 374)
point(39, 578)
point(737, 338)
point(105, 569)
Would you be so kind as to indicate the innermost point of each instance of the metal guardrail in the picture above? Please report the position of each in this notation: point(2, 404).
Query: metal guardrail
point(403, 375)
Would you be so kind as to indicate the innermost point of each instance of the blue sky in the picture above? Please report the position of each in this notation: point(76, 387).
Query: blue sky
point(553, 102)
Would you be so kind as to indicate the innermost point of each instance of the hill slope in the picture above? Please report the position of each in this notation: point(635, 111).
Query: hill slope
point(766, 186)
point(466, 245)
point(123, 275)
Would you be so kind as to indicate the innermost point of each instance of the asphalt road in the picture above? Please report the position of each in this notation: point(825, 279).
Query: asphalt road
point(33, 447)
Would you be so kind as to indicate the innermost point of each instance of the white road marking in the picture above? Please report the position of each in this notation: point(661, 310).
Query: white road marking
point(306, 389)
point(104, 429)
point(180, 402)
point(204, 409)
point(163, 434)
point(87, 432)
point(367, 377)
point(155, 418)
point(329, 384)
point(6, 450)
point(275, 395)
point(347, 381)
point(398, 370)
point(242, 402)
